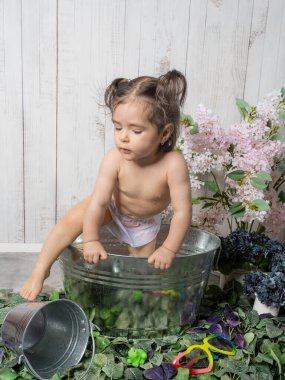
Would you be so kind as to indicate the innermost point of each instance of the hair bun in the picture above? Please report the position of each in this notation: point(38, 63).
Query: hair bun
point(112, 90)
point(172, 85)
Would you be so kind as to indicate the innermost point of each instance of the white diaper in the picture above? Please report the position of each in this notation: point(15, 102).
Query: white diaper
point(136, 232)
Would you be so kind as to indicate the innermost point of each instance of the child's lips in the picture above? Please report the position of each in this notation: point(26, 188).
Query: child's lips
point(126, 151)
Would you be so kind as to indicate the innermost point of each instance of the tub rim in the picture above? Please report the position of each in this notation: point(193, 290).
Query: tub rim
point(79, 240)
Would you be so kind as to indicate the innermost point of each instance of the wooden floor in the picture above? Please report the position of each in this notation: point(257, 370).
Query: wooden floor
point(15, 269)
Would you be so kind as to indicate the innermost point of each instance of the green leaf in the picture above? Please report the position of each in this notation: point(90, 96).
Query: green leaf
point(259, 205)
point(120, 340)
point(281, 196)
point(277, 137)
point(56, 376)
point(100, 360)
point(236, 367)
point(212, 186)
point(281, 115)
point(243, 107)
point(252, 318)
point(114, 371)
point(263, 176)
point(54, 296)
point(157, 358)
point(133, 373)
point(206, 376)
point(237, 175)
point(282, 359)
point(263, 358)
point(274, 356)
point(194, 129)
point(196, 201)
point(273, 331)
point(189, 122)
point(182, 374)
point(258, 183)
point(249, 337)
point(237, 209)
point(6, 374)
point(186, 119)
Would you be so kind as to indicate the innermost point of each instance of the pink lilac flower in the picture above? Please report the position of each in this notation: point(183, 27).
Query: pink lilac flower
point(267, 108)
point(275, 218)
point(246, 146)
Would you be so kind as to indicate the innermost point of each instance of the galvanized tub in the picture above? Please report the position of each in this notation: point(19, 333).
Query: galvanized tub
point(126, 296)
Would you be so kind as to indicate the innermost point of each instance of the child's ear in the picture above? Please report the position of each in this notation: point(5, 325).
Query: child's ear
point(166, 132)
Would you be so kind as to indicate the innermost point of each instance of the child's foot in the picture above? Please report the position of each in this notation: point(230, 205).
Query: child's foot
point(34, 284)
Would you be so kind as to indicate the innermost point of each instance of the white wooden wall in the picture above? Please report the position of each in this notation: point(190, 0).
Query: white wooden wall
point(57, 56)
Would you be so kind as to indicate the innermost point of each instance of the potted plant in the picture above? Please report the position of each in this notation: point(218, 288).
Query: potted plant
point(268, 288)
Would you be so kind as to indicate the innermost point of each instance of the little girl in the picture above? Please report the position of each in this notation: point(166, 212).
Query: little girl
point(137, 180)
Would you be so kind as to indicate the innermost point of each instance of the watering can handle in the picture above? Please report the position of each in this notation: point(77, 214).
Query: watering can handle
point(91, 328)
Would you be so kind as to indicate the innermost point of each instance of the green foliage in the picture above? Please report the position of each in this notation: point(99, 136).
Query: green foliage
point(243, 107)
point(189, 122)
point(263, 355)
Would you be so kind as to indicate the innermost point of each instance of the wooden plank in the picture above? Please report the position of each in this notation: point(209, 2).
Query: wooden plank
point(132, 39)
point(73, 147)
point(255, 52)
point(147, 37)
point(279, 79)
point(171, 36)
point(112, 31)
point(39, 100)
point(271, 48)
point(89, 57)
point(194, 64)
point(11, 124)
point(220, 77)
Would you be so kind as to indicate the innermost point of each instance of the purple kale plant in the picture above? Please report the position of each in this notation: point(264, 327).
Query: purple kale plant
point(251, 251)
point(269, 287)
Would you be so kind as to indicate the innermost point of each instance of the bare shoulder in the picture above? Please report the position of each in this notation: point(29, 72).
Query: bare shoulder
point(112, 155)
point(177, 170)
point(111, 160)
point(175, 160)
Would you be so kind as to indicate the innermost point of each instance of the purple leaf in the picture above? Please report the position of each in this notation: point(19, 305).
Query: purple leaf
point(231, 317)
point(199, 324)
point(215, 329)
point(214, 319)
point(225, 329)
point(150, 355)
point(239, 341)
point(169, 370)
point(155, 373)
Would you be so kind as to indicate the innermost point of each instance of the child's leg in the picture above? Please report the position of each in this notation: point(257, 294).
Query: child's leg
point(62, 234)
point(143, 251)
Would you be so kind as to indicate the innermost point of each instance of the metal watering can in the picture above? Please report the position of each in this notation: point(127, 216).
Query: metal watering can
point(49, 336)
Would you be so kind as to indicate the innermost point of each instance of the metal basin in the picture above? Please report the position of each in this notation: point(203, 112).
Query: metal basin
point(126, 296)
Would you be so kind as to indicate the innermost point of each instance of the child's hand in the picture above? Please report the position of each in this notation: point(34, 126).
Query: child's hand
point(94, 251)
point(161, 258)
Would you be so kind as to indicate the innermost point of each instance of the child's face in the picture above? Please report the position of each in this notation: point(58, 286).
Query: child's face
point(135, 137)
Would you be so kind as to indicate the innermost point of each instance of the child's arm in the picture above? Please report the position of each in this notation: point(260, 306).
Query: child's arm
point(180, 194)
point(100, 199)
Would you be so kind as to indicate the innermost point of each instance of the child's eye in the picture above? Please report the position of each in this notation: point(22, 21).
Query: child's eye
point(118, 128)
point(137, 132)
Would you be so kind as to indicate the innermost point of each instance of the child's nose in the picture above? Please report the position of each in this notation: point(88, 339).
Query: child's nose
point(124, 135)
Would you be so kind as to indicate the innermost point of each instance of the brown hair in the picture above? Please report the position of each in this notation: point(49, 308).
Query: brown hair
point(165, 95)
